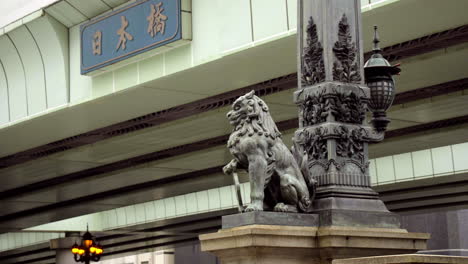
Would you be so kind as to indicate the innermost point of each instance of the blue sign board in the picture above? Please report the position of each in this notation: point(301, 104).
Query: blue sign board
point(128, 31)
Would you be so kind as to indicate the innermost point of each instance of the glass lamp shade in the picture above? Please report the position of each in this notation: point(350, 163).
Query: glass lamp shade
point(88, 243)
point(382, 94)
point(92, 249)
point(75, 249)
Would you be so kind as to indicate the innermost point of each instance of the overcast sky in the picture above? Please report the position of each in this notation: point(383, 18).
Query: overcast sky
point(12, 10)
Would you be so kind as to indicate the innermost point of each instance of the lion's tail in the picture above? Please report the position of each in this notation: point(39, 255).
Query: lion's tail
point(305, 203)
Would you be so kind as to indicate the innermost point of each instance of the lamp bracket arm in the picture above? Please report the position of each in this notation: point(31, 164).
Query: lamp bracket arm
point(374, 136)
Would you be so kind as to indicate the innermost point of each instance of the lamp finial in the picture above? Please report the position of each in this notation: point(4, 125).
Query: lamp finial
point(376, 41)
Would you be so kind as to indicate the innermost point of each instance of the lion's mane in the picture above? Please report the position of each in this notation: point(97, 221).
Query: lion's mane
point(258, 121)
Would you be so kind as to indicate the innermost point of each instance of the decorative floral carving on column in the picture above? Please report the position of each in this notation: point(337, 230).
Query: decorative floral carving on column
point(316, 144)
point(348, 108)
point(345, 68)
point(350, 143)
point(314, 109)
point(313, 67)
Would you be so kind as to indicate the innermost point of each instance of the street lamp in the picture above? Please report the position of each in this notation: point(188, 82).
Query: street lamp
point(88, 251)
point(378, 76)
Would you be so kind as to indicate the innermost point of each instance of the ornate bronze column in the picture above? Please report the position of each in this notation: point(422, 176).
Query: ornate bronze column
point(333, 134)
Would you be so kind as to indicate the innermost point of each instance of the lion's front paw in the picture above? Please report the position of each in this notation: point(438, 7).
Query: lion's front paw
point(228, 170)
point(230, 167)
point(253, 207)
point(281, 207)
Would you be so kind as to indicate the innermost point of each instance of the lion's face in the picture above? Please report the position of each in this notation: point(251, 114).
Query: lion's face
point(240, 110)
point(246, 107)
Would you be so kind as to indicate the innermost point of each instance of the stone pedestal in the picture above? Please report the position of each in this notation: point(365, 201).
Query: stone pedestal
point(261, 244)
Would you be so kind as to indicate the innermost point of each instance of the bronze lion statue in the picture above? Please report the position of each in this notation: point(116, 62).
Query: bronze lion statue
point(276, 180)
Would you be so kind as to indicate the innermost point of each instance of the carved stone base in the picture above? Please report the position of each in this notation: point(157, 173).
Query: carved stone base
point(359, 219)
point(261, 244)
point(270, 218)
point(356, 212)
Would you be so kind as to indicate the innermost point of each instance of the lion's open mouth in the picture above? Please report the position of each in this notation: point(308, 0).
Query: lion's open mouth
point(234, 118)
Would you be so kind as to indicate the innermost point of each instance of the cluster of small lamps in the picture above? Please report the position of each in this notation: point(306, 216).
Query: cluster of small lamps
point(88, 251)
